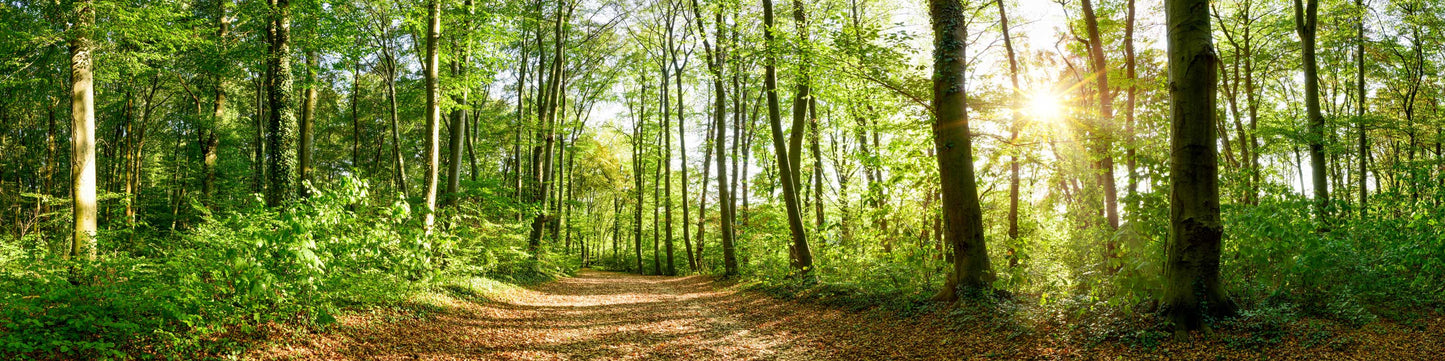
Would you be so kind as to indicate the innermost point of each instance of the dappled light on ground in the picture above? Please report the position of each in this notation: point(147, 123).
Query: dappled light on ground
point(615, 316)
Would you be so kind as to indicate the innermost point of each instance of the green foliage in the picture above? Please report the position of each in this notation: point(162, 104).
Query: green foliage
point(204, 291)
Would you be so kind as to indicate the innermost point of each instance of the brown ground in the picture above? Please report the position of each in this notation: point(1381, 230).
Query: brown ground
point(615, 316)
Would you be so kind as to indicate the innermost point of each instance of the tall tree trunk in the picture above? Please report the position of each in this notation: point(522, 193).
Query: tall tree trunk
point(802, 258)
point(82, 130)
point(1013, 183)
point(400, 163)
point(210, 142)
point(818, 217)
point(258, 171)
point(308, 118)
point(666, 165)
point(433, 113)
point(1130, 148)
point(280, 139)
point(682, 150)
point(1192, 286)
point(1360, 111)
point(543, 172)
point(355, 116)
point(1305, 13)
point(657, 191)
point(963, 216)
point(637, 171)
point(459, 116)
point(1104, 127)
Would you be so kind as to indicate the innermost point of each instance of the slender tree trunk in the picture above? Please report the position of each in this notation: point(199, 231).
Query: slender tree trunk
point(682, 150)
point(459, 116)
point(308, 118)
point(1013, 184)
point(210, 142)
point(1104, 126)
point(818, 217)
point(1130, 148)
point(666, 167)
point(258, 174)
point(82, 130)
point(1360, 94)
point(433, 113)
point(963, 216)
point(1192, 286)
point(355, 116)
point(802, 258)
point(400, 163)
point(1305, 15)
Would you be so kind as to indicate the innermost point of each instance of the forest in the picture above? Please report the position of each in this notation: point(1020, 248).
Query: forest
point(722, 179)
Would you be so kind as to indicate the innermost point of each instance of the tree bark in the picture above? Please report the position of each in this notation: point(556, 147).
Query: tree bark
point(1192, 286)
point(210, 142)
point(1104, 127)
point(433, 113)
point(82, 128)
point(280, 139)
point(802, 258)
point(963, 216)
point(459, 116)
point(308, 118)
point(1306, 12)
point(1360, 111)
point(1013, 184)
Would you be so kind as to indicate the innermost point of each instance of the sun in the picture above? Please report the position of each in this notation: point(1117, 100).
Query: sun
point(1044, 105)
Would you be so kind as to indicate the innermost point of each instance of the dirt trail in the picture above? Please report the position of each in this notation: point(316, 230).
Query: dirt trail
point(615, 316)
point(595, 315)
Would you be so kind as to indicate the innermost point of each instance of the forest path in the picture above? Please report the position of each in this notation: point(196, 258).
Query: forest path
point(609, 316)
point(615, 316)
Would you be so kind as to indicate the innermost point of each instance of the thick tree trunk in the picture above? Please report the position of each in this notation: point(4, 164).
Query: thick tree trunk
point(82, 130)
point(963, 216)
point(1192, 286)
point(281, 163)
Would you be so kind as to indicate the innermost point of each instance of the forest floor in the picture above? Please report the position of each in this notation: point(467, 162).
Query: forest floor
point(616, 316)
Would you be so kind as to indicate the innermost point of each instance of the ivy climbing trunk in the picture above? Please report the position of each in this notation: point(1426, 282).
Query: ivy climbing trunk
point(962, 214)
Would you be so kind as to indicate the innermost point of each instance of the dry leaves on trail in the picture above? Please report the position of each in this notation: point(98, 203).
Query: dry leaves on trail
point(614, 316)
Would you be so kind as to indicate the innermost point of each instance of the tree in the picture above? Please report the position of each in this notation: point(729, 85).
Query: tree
point(279, 141)
point(1305, 14)
point(459, 127)
point(963, 216)
point(433, 112)
point(1104, 125)
point(802, 258)
point(307, 138)
point(82, 128)
point(1364, 155)
point(1192, 288)
point(1017, 96)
